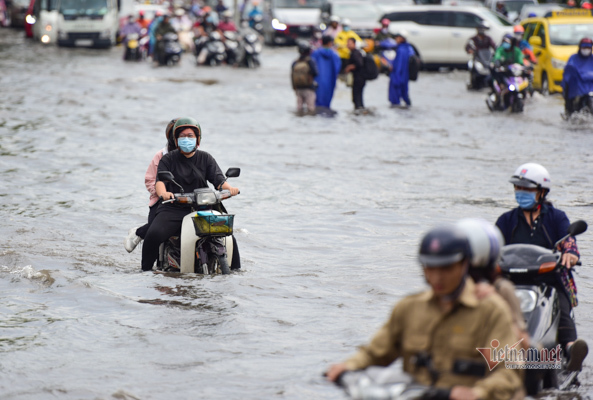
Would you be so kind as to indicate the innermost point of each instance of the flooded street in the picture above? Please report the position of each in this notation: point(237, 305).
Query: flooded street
point(328, 221)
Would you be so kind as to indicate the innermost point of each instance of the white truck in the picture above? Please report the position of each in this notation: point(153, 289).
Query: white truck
point(87, 23)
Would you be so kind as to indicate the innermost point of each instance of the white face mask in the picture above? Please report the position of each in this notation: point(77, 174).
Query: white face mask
point(585, 52)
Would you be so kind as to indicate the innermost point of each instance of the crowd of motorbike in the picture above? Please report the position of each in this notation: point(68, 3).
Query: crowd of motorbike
point(511, 83)
point(211, 43)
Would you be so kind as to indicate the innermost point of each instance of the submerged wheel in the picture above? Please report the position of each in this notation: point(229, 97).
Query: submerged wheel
point(545, 85)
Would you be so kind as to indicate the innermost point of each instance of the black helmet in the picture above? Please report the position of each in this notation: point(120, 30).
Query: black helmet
point(304, 48)
point(443, 246)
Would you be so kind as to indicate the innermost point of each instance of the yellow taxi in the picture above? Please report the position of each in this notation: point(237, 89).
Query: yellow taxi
point(554, 38)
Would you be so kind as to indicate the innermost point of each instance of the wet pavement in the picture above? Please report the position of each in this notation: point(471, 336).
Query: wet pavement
point(328, 220)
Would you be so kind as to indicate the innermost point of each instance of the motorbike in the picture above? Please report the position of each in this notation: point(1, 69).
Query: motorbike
point(387, 383)
point(251, 48)
point(210, 49)
point(386, 55)
point(478, 67)
point(205, 244)
point(133, 51)
point(257, 22)
point(509, 88)
point(171, 49)
point(231, 44)
point(535, 272)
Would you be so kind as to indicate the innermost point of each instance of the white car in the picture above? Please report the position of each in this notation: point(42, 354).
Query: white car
point(439, 33)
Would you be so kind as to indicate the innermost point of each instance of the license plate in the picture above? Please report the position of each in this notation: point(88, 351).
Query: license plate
point(304, 28)
point(83, 42)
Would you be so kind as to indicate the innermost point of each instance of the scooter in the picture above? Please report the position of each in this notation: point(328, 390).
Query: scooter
point(251, 48)
point(205, 245)
point(386, 55)
point(133, 51)
point(478, 67)
point(210, 49)
point(231, 44)
point(387, 383)
point(535, 272)
point(171, 50)
point(509, 88)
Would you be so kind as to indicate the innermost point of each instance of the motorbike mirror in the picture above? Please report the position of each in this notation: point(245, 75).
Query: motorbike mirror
point(535, 41)
point(232, 172)
point(577, 227)
point(165, 176)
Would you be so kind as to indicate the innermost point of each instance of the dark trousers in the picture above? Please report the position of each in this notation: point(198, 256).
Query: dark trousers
point(567, 331)
point(151, 214)
point(357, 88)
point(167, 223)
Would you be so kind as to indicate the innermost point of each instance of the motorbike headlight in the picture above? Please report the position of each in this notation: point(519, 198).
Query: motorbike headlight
point(30, 19)
point(558, 64)
point(279, 26)
point(205, 199)
point(106, 34)
point(257, 47)
point(527, 298)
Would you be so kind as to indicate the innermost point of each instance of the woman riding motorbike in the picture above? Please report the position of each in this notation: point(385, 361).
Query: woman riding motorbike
point(192, 169)
point(537, 222)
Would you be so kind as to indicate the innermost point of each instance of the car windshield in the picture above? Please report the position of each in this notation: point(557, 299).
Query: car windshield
point(355, 12)
point(299, 3)
point(495, 18)
point(569, 34)
point(83, 7)
point(516, 6)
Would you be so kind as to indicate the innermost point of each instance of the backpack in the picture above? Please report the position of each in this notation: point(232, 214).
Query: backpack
point(414, 66)
point(371, 71)
point(301, 75)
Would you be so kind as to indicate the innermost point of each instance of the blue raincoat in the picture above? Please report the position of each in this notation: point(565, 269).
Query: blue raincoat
point(400, 74)
point(151, 30)
point(328, 66)
point(577, 79)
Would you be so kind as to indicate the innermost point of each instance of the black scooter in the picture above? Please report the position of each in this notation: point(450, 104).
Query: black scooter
point(534, 271)
point(479, 67)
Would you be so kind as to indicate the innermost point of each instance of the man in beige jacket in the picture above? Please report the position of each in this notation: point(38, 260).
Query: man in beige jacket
point(438, 331)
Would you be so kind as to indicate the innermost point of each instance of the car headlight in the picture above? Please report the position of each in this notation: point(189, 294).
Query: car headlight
point(45, 39)
point(205, 199)
point(30, 19)
point(527, 298)
point(279, 26)
point(558, 64)
point(106, 34)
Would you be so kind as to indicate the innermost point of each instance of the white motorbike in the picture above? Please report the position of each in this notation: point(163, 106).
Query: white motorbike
point(205, 245)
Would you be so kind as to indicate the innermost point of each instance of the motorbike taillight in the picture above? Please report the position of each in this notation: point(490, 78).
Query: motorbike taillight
point(546, 267)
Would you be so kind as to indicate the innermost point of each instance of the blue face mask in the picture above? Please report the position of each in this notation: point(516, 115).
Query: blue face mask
point(526, 200)
point(346, 28)
point(506, 45)
point(187, 145)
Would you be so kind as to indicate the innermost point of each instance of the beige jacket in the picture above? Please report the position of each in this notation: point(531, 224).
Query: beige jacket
point(417, 324)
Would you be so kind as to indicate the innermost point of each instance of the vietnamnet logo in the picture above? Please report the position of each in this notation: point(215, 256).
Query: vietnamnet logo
point(516, 357)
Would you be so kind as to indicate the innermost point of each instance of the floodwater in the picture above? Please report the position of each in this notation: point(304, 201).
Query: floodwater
point(328, 220)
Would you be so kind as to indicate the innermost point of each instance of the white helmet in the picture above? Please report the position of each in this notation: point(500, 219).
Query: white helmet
point(531, 175)
point(346, 22)
point(485, 241)
point(334, 18)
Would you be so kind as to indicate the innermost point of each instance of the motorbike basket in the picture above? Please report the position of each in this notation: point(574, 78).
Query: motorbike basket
point(208, 224)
